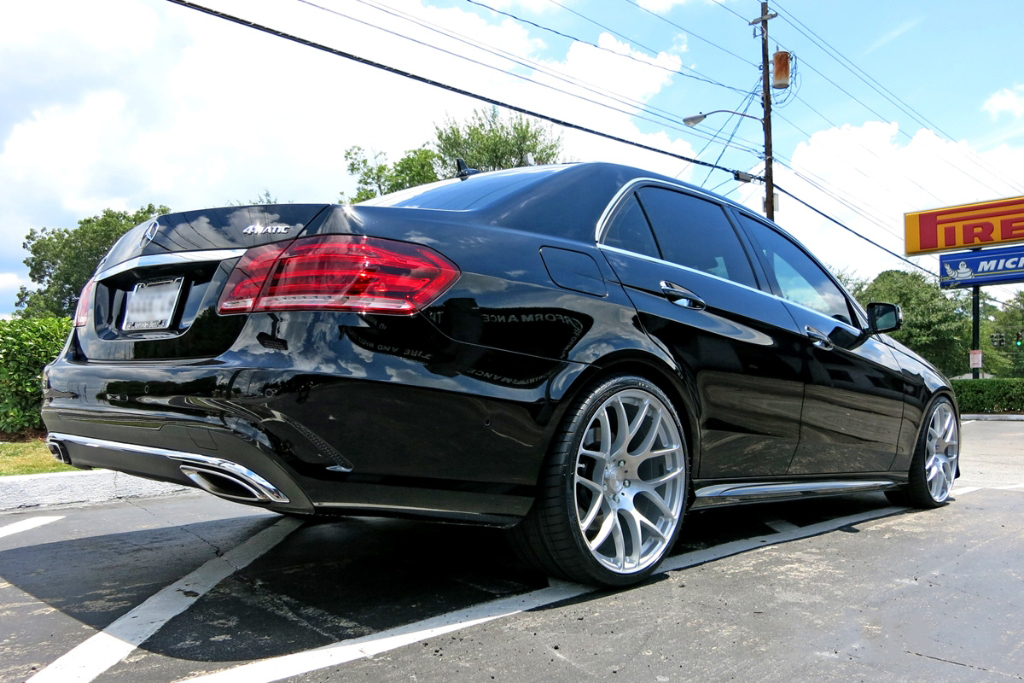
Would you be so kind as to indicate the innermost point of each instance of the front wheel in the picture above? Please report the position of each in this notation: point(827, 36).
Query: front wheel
point(613, 489)
point(936, 458)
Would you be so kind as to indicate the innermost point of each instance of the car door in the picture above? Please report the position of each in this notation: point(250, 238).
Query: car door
point(696, 292)
point(853, 403)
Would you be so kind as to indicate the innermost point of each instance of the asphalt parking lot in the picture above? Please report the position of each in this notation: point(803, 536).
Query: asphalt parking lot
point(188, 587)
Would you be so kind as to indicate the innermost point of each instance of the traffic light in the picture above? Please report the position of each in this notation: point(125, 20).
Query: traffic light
point(1020, 340)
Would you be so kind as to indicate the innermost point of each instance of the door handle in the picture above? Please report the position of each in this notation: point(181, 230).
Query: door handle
point(821, 340)
point(682, 297)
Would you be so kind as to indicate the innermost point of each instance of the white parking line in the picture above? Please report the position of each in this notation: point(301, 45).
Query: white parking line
point(965, 490)
point(27, 525)
point(114, 643)
point(780, 525)
point(286, 666)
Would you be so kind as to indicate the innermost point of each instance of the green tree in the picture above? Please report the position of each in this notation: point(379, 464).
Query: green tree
point(61, 260)
point(853, 284)
point(486, 142)
point(936, 325)
point(489, 142)
point(377, 177)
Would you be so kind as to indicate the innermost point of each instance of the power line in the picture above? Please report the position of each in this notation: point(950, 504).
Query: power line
point(695, 75)
point(850, 66)
point(550, 72)
point(522, 110)
point(823, 45)
point(739, 119)
point(844, 226)
point(689, 32)
point(428, 81)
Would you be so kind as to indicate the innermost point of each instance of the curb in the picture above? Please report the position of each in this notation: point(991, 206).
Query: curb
point(18, 492)
point(993, 417)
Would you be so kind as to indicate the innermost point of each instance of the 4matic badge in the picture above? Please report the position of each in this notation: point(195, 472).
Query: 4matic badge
point(257, 229)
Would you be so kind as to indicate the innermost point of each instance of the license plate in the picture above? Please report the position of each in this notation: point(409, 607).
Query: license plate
point(151, 305)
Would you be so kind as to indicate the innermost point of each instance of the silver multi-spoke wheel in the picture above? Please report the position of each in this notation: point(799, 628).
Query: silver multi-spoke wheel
point(942, 451)
point(630, 481)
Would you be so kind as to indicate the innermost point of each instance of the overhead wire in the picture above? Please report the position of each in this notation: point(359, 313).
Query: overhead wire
point(869, 80)
point(429, 81)
point(694, 74)
point(540, 68)
point(739, 120)
point(512, 107)
point(521, 77)
point(689, 32)
point(969, 155)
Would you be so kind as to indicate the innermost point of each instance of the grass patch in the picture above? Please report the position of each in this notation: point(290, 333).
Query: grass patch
point(28, 457)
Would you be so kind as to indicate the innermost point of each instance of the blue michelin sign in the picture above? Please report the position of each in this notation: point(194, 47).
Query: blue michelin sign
point(985, 267)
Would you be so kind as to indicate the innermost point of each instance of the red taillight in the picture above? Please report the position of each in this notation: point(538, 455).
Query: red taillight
point(338, 273)
point(84, 304)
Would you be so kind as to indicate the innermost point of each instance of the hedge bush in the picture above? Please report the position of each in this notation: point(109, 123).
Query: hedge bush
point(25, 347)
point(989, 395)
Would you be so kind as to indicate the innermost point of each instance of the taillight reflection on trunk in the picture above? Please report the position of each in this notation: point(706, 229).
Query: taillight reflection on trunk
point(338, 273)
point(84, 304)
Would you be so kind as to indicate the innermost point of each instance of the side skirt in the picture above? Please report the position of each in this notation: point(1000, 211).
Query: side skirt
point(757, 492)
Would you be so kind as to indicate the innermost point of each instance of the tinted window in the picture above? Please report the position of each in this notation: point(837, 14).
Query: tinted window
point(463, 195)
point(800, 279)
point(629, 230)
point(696, 233)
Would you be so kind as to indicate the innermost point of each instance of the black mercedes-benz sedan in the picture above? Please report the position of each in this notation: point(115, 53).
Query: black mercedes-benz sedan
point(579, 352)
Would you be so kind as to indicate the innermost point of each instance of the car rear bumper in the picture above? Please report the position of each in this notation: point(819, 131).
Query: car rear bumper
point(384, 438)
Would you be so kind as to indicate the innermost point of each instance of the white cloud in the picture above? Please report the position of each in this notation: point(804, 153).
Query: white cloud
point(893, 34)
point(538, 6)
point(1006, 101)
point(665, 6)
point(9, 285)
point(660, 6)
point(882, 176)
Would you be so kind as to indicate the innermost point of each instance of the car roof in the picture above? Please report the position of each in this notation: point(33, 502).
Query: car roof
point(564, 200)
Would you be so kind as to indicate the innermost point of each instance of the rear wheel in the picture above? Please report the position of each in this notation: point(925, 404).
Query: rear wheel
point(613, 488)
point(934, 465)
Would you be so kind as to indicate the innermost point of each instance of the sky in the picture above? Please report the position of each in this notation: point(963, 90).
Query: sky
point(894, 107)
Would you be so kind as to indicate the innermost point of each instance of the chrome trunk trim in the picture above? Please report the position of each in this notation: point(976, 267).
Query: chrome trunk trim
point(170, 259)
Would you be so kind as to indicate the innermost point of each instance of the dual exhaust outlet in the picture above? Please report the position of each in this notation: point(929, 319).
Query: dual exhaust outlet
point(218, 476)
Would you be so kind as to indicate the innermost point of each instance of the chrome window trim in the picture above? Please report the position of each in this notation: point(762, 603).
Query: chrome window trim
point(170, 259)
point(602, 222)
point(645, 257)
point(652, 259)
point(858, 310)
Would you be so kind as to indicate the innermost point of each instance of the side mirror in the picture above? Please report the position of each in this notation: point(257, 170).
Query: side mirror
point(884, 317)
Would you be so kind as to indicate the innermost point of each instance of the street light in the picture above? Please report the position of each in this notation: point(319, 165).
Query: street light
point(692, 121)
point(781, 81)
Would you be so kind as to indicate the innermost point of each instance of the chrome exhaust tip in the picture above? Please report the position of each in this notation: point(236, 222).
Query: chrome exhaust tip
point(228, 479)
point(223, 485)
point(58, 451)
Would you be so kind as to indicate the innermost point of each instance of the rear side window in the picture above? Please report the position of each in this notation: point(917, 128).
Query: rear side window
point(799, 278)
point(628, 229)
point(697, 234)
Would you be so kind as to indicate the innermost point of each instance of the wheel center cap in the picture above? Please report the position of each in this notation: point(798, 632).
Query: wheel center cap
point(614, 477)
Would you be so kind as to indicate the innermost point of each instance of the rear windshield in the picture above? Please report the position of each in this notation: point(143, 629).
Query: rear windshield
point(465, 195)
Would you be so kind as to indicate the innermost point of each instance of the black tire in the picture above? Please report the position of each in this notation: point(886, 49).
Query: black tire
point(936, 458)
point(608, 514)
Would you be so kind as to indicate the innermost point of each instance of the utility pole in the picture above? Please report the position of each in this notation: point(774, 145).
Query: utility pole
point(769, 184)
